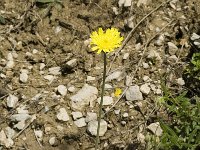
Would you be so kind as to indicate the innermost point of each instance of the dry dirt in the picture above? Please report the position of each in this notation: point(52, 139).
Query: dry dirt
point(59, 33)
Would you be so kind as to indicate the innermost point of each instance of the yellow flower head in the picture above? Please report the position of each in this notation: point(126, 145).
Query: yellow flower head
point(106, 41)
point(118, 92)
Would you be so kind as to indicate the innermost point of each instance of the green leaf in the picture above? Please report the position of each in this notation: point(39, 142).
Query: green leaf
point(2, 20)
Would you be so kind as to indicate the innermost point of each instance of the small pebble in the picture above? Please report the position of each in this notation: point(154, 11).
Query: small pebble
point(90, 116)
point(63, 115)
point(76, 115)
point(92, 127)
point(180, 81)
point(80, 122)
point(62, 90)
point(12, 100)
point(107, 100)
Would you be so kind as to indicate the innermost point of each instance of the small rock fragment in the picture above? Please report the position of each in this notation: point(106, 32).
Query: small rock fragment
point(63, 115)
point(90, 116)
point(52, 140)
point(126, 55)
point(39, 134)
point(128, 80)
point(77, 115)
point(23, 77)
point(155, 128)
point(20, 117)
point(20, 125)
point(195, 36)
point(55, 71)
point(62, 90)
point(107, 100)
point(71, 89)
point(133, 93)
point(180, 81)
point(84, 96)
point(145, 89)
point(12, 100)
point(50, 78)
point(141, 138)
point(72, 63)
point(125, 115)
point(90, 78)
point(7, 142)
point(10, 63)
point(92, 127)
point(108, 86)
point(127, 3)
point(172, 48)
point(117, 111)
point(114, 75)
point(9, 132)
point(80, 122)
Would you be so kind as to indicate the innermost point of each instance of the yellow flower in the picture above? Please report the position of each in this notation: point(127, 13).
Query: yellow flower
point(106, 41)
point(118, 92)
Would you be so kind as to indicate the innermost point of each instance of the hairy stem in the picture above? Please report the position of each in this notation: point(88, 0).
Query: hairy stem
point(101, 102)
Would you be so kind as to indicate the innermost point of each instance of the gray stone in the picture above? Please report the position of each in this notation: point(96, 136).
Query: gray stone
point(77, 115)
point(195, 36)
point(107, 100)
point(85, 96)
point(80, 122)
point(90, 78)
point(115, 75)
point(10, 63)
point(145, 89)
point(7, 142)
point(172, 48)
point(20, 117)
point(23, 77)
point(55, 70)
point(12, 100)
point(9, 132)
point(155, 128)
point(62, 90)
point(92, 127)
point(63, 115)
point(71, 89)
point(20, 125)
point(52, 140)
point(90, 116)
point(39, 134)
point(72, 63)
point(133, 93)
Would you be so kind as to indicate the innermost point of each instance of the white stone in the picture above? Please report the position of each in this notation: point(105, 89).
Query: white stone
point(71, 89)
point(80, 122)
point(72, 63)
point(107, 100)
point(54, 71)
point(90, 116)
point(145, 65)
point(63, 115)
point(114, 75)
point(123, 122)
point(128, 80)
point(133, 93)
point(92, 127)
point(115, 10)
point(160, 40)
point(39, 134)
point(35, 51)
point(141, 138)
point(52, 140)
point(145, 89)
point(158, 91)
point(58, 29)
point(9, 132)
point(155, 128)
point(153, 87)
point(125, 115)
point(62, 90)
point(50, 78)
point(22, 110)
point(23, 77)
point(20, 117)
point(121, 3)
point(20, 125)
point(173, 58)
point(154, 55)
point(127, 3)
point(7, 142)
point(76, 115)
point(108, 86)
point(172, 48)
point(117, 111)
point(180, 81)
point(85, 96)
point(10, 64)
point(126, 55)
point(42, 65)
point(12, 100)
point(195, 36)
point(90, 78)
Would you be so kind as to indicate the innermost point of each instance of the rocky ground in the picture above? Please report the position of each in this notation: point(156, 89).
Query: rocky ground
point(50, 79)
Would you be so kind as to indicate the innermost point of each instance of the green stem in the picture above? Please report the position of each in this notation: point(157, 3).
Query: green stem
point(101, 102)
